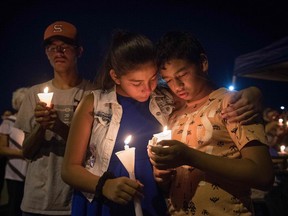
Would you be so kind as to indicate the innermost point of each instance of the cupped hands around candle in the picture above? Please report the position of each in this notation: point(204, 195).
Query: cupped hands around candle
point(174, 154)
point(45, 116)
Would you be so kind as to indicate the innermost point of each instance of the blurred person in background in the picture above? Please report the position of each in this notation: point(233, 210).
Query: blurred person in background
point(11, 140)
point(277, 132)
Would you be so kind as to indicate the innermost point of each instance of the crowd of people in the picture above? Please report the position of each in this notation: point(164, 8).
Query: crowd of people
point(276, 128)
point(217, 153)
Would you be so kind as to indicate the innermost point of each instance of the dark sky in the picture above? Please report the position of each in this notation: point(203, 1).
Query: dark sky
point(227, 29)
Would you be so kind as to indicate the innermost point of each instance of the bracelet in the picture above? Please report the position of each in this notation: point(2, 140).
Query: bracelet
point(99, 187)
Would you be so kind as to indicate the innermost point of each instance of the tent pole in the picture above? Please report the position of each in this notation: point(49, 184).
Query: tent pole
point(234, 80)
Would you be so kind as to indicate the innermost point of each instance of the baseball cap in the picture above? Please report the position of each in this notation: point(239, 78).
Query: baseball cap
point(61, 30)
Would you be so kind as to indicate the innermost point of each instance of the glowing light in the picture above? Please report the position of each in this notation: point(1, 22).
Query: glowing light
point(231, 87)
point(282, 148)
point(127, 141)
point(46, 96)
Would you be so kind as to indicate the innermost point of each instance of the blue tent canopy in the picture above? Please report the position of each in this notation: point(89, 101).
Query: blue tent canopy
point(269, 63)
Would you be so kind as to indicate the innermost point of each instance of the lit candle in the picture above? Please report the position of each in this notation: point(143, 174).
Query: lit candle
point(282, 148)
point(165, 135)
point(46, 97)
point(280, 121)
point(127, 158)
point(127, 141)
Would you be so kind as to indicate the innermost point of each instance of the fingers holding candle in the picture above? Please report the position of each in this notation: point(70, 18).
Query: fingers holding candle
point(171, 157)
point(122, 190)
point(44, 115)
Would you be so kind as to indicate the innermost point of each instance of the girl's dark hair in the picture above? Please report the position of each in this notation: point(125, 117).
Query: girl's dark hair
point(178, 45)
point(127, 51)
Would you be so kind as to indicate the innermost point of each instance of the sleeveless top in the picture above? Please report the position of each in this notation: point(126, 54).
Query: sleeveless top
point(141, 124)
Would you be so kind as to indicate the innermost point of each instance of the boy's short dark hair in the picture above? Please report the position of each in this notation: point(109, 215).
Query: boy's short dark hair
point(178, 45)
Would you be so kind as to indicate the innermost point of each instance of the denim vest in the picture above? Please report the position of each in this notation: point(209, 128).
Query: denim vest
point(107, 119)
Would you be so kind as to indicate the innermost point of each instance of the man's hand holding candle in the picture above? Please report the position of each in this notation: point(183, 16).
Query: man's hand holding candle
point(44, 115)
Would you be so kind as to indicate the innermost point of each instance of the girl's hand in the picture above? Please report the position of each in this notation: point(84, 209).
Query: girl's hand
point(244, 107)
point(122, 190)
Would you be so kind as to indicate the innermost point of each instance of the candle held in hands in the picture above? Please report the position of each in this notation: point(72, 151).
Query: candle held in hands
point(127, 158)
point(46, 97)
point(165, 135)
point(282, 148)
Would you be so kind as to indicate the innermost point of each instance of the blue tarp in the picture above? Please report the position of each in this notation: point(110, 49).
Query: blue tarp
point(269, 63)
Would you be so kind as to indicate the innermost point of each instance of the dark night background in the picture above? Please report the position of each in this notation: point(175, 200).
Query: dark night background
point(227, 29)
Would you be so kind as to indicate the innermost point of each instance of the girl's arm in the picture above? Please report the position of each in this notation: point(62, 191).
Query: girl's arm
point(73, 172)
point(120, 190)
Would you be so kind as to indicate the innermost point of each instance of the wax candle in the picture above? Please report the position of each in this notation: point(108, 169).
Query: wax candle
point(165, 135)
point(280, 121)
point(127, 158)
point(282, 148)
point(46, 97)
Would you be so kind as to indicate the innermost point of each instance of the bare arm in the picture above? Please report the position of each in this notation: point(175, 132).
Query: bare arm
point(73, 172)
point(5, 150)
point(253, 169)
point(120, 190)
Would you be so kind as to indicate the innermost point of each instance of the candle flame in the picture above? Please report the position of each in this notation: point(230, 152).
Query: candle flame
point(127, 140)
point(46, 90)
point(282, 148)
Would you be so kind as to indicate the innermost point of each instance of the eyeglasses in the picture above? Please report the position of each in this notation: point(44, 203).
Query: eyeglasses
point(63, 49)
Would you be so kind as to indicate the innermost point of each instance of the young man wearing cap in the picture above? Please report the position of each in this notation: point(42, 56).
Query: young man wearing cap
point(46, 128)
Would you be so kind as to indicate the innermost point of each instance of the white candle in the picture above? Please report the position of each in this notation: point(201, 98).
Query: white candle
point(280, 121)
point(165, 135)
point(127, 141)
point(46, 97)
point(282, 148)
point(127, 158)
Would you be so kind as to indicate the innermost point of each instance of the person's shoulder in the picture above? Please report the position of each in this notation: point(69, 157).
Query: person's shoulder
point(9, 119)
point(222, 95)
point(88, 99)
point(220, 92)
